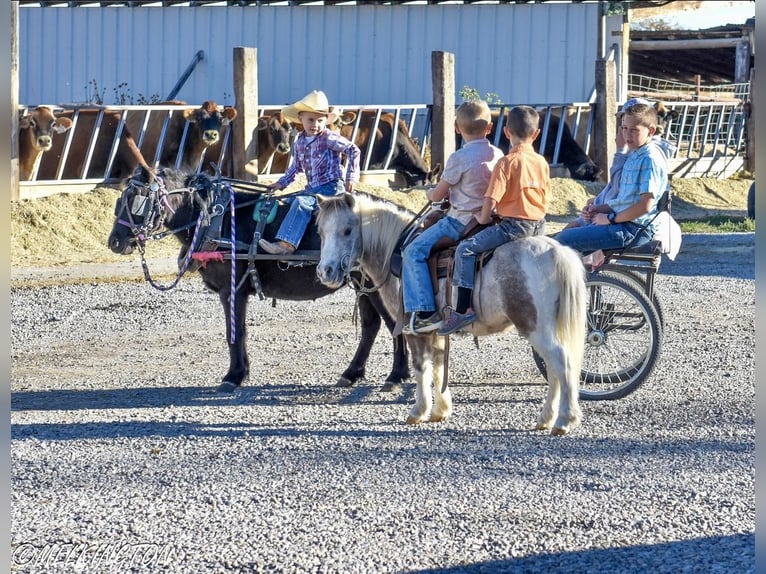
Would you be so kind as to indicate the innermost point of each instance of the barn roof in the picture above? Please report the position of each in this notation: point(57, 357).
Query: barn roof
point(688, 53)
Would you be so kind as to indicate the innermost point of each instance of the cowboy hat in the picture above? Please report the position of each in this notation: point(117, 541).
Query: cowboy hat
point(315, 102)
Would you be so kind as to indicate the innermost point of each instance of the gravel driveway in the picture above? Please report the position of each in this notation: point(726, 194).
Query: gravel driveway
point(124, 460)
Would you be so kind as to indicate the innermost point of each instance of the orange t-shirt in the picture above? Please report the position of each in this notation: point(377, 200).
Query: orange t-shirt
point(520, 184)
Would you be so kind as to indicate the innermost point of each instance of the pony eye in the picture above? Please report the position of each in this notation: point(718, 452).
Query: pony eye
point(347, 232)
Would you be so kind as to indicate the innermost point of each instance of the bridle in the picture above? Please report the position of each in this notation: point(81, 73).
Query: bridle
point(150, 204)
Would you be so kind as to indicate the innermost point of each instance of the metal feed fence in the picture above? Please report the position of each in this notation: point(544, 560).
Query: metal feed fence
point(704, 133)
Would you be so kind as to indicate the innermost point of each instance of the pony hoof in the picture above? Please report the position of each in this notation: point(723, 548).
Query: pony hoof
point(439, 418)
point(344, 382)
point(389, 387)
point(542, 426)
point(227, 387)
point(558, 431)
point(414, 420)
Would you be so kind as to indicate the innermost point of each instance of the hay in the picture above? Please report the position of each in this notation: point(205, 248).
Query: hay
point(69, 229)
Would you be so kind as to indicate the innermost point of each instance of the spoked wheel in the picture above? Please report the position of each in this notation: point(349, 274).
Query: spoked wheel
point(622, 342)
point(640, 280)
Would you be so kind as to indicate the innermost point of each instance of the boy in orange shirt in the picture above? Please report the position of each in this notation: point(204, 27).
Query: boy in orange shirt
point(518, 191)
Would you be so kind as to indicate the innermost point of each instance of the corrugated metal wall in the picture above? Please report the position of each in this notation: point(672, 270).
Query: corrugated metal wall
point(536, 53)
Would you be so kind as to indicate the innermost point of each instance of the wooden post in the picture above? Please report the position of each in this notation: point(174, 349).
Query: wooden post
point(14, 101)
point(443, 111)
point(604, 123)
point(750, 143)
point(244, 142)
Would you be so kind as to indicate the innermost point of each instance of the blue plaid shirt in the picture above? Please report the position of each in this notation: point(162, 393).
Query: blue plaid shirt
point(645, 171)
point(321, 159)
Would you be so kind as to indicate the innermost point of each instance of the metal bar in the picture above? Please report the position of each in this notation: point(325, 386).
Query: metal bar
point(161, 141)
point(198, 57)
point(394, 135)
point(67, 145)
point(115, 144)
point(92, 144)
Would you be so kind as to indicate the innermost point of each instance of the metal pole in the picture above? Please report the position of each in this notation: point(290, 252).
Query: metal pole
point(198, 57)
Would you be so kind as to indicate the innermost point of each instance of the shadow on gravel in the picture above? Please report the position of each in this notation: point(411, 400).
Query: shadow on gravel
point(714, 254)
point(735, 553)
point(159, 397)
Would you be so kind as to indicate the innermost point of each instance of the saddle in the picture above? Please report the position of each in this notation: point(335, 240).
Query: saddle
point(442, 257)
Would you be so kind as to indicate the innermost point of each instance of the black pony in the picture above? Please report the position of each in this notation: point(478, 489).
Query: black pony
point(197, 209)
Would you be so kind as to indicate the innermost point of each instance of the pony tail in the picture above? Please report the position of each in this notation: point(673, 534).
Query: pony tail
point(571, 320)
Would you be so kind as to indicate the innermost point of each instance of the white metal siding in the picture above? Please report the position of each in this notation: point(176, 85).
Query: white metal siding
point(531, 53)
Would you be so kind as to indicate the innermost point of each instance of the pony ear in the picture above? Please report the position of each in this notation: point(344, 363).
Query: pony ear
point(349, 198)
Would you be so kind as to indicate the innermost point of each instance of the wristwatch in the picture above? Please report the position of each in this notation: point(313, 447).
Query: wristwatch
point(611, 216)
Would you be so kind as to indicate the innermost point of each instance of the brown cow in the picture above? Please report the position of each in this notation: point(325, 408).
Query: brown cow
point(88, 123)
point(406, 158)
point(273, 138)
point(203, 141)
point(36, 131)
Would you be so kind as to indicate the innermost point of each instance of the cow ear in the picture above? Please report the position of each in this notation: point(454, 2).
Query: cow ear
point(228, 114)
point(190, 115)
point(62, 125)
point(25, 122)
point(263, 123)
point(347, 118)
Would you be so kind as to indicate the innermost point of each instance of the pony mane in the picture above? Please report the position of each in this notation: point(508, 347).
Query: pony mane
point(382, 221)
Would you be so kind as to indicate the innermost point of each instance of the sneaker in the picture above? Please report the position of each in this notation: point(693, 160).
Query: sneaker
point(417, 325)
point(277, 248)
point(457, 321)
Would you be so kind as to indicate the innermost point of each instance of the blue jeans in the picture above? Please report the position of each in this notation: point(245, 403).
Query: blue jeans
point(493, 236)
point(592, 237)
point(417, 290)
point(302, 207)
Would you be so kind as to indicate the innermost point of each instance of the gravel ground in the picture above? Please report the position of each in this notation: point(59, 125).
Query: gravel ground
point(124, 460)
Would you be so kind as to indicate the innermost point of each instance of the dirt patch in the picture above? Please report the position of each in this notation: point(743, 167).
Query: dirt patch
point(71, 229)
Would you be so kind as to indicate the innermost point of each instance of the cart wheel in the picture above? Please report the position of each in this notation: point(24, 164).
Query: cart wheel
point(640, 280)
point(623, 339)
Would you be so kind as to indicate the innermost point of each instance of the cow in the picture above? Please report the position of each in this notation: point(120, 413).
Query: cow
point(405, 160)
point(36, 132)
point(571, 155)
point(85, 124)
point(204, 135)
point(273, 139)
point(664, 116)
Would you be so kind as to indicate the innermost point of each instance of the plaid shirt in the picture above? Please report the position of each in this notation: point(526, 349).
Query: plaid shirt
point(321, 159)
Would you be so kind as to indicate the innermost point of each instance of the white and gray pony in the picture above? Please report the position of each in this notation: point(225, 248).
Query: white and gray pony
point(534, 284)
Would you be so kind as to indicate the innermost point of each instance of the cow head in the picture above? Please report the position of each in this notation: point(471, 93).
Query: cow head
point(664, 116)
point(36, 131)
point(274, 134)
point(210, 120)
point(43, 125)
point(587, 171)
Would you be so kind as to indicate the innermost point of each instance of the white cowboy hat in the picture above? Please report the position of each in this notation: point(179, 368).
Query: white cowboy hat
point(315, 102)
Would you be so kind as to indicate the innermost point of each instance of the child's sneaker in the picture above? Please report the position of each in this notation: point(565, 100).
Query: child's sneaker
point(457, 321)
point(417, 325)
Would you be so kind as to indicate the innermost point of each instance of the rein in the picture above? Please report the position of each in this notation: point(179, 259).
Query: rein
point(404, 238)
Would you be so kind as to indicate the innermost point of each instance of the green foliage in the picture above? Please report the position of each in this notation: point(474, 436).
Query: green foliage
point(652, 25)
point(469, 94)
point(718, 224)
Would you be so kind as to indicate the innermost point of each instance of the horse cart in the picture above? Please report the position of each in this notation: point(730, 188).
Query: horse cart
point(624, 315)
point(625, 319)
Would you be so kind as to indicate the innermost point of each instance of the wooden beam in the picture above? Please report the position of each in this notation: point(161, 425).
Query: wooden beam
point(14, 100)
point(443, 111)
point(699, 44)
point(246, 103)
